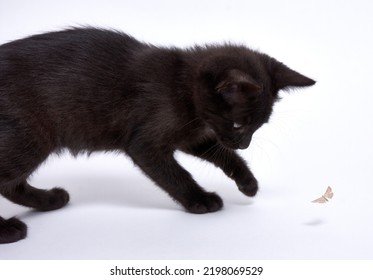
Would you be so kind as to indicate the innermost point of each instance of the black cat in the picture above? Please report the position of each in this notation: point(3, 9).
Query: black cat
point(89, 90)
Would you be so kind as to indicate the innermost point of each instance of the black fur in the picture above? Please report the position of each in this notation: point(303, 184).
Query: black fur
point(89, 90)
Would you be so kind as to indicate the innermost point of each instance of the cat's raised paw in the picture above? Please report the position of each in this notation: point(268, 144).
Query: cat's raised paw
point(57, 198)
point(208, 202)
point(249, 186)
point(12, 230)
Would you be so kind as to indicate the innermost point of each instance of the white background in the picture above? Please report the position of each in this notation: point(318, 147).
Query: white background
point(317, 137)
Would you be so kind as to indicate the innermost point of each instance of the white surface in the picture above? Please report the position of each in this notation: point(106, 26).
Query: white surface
point(317, 137)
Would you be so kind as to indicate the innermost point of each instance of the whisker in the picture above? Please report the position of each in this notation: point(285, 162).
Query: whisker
point(227, 158)
point(263, 139)
point(221, 156)
point(263, 150)
point(190, 122)
point(216, 151)
point(209, 150)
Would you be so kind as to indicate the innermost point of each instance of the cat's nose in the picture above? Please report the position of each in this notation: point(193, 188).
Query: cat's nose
point(245, 142)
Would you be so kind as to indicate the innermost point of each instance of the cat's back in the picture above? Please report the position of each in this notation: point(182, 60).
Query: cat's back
point(65, 65)
point(77, 47)
point(74, 39)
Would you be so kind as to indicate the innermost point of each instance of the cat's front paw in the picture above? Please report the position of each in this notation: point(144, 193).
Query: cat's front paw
point(204, 203)
point(248, 185)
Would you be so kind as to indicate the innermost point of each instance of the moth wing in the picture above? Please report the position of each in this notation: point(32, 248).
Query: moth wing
point(329, 193)
point(320, 200)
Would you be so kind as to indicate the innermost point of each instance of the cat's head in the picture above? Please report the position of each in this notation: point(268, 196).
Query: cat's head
point(236, 90)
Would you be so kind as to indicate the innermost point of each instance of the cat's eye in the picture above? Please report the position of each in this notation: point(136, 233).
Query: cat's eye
point(237, 125)
point(232, 88)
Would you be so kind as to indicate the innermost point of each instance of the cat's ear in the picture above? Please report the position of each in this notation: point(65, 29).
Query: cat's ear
point(237, 83)
point(285, 78)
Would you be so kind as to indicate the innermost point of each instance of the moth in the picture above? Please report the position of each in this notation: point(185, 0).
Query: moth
point(326, 197)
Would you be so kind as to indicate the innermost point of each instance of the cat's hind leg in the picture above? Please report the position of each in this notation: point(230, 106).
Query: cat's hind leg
point(15, 168)
point(22, 150)
point(42, 200)
point(12, 230)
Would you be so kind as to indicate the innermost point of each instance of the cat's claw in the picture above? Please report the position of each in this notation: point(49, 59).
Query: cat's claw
point(12, 230)
point(208, 202)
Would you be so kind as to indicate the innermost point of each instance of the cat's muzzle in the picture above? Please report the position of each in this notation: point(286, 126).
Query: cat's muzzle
point(245, 142)
point(234, 143)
